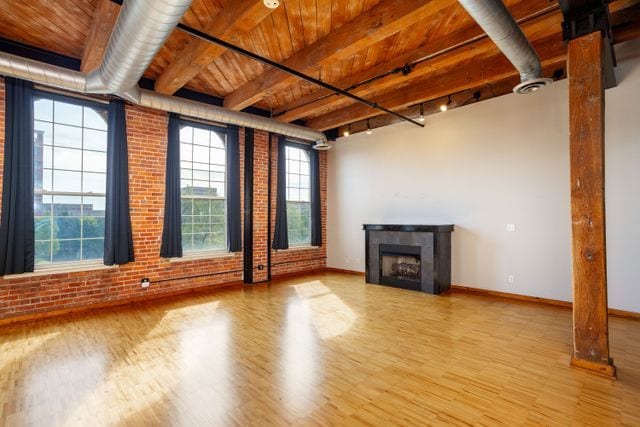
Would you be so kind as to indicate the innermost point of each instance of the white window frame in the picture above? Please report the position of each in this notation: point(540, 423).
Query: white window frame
point(305, 157)
point(65, 266)
point(213, 168)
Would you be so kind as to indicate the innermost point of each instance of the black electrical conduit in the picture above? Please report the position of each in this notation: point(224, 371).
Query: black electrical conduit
point(230, 46)
point(260, 267)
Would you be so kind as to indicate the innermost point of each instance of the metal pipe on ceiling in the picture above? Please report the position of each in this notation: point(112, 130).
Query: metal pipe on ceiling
point(141, 30)
point(495, 19)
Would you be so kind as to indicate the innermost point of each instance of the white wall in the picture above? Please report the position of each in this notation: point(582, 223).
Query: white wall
point(481, 167)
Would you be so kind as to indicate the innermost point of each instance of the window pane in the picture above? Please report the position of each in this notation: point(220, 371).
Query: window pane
point(67, 136)
point(65, 227)
point(66, 206)
point(66, 113)
point(201, 154)
point(200, 207)
point(92, 248)
point(186, 134)
point(293, 166)
point(201, 175)
point(42, 206)
point(216, 176)
point(217, 189)
point(43, 228)
point(217, 156)
point(94, 183)
point(95, 119)
point(67, 158)
point(94, 161)
point(95, 140)
point(47, 180)
point(217, 140)
point(43, 133)
point(187, 206)
point(294, 194)
point(47, 157)
point(200, 137)
point(94, 205)
point(66, 250)
point(218, 207)
point(304, 168)
point(67, 181)
point(43, 109)
point(304, 181)
point(186, 152)
point(43, 252)
point(304, 195)
point(92, 226)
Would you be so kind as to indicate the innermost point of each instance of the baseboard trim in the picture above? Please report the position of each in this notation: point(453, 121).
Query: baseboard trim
point(539, 300)
point(283, 276)
point(342, 271)
point(116, 303)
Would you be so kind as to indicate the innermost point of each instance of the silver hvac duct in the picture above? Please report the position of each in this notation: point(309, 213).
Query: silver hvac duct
point(495, 19)
point(140, 31)
point(75, 81)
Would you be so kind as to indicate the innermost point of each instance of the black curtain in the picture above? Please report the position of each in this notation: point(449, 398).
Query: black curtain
point(17, 235)
point(118, 240)
point(316, 215)
point(172, 228)
point(234, 230)
point(280, 235)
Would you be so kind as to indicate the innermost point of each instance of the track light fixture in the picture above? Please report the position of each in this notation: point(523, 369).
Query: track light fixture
point(445, 107)
point(347, 131)
point(421, 118)
point(369, 131)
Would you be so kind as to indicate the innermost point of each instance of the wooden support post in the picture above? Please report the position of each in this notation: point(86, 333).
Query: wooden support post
point(586, 110)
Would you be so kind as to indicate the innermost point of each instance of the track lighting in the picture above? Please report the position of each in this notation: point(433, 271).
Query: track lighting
point(445, 107)
point(369, 131)
point(347, 131)
point(421, 118)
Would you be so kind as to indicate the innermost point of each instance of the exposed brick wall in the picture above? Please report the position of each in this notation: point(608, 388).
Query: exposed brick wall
point(147, 138)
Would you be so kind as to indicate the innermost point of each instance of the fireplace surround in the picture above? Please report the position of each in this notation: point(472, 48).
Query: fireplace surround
point(416, 257)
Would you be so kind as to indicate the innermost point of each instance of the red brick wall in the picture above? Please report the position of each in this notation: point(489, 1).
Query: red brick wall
point(147, 138)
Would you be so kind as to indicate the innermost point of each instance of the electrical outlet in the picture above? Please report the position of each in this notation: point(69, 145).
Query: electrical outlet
point(511, 279)
point(145, 283)
point(511, 227)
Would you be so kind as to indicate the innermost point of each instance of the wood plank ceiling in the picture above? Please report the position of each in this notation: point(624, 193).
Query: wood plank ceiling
point(349, 43)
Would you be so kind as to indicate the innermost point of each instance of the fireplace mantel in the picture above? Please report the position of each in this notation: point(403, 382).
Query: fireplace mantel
point(443, 228)
point(403, 247)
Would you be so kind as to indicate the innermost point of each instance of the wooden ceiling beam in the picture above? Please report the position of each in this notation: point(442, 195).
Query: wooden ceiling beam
point(472, 73)
point(236, 18)
point(537, 28)
point(480, 71)
point(522, 11)
point(378, 23)
point(104, 19)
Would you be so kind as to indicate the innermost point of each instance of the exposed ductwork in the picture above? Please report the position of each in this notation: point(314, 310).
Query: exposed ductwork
point(141, 30)
point(495, 19)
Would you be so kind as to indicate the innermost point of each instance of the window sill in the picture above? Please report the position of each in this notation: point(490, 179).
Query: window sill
point(200, 256)
point(298, 248)
point(61, 269)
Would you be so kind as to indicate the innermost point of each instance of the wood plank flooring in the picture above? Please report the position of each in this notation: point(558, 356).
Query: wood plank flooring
point(324, 349)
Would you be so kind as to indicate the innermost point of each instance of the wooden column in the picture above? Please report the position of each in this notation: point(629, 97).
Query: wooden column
point(586, 110)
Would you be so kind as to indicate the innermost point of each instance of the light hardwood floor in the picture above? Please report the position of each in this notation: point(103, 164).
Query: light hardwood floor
point(324, 349)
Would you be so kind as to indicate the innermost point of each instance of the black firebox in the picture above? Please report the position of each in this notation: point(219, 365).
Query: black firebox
point(400, 266)
point(416, 257)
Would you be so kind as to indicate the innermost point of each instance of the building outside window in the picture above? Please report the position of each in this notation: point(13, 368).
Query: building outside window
point(298, 196)
point(70, 162)
point(203, 185)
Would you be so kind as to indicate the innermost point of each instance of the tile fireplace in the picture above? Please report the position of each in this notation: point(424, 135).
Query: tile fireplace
point(416, 257)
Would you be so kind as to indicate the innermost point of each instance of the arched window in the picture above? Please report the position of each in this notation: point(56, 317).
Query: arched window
point(298, 196)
